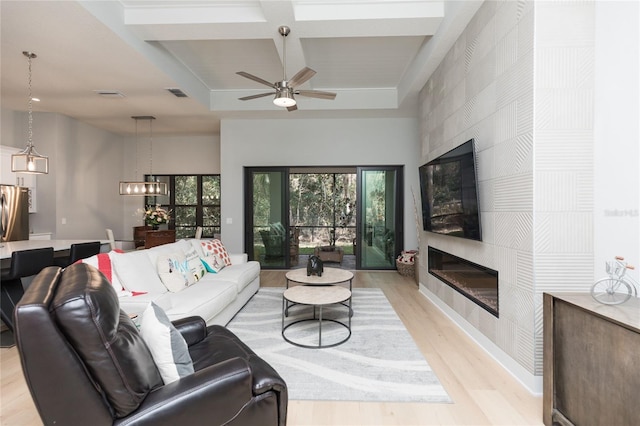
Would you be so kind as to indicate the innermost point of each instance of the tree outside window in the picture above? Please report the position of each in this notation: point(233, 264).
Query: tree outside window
point(194, 200)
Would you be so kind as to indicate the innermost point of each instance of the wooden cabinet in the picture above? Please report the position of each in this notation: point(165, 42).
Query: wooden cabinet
point(146, 237)
point(591, 361)
point(158, 238)
point(139, 235)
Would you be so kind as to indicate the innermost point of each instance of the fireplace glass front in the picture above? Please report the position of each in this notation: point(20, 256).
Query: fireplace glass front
point(477, 283)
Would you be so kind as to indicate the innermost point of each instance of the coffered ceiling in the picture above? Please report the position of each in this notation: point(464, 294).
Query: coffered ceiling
point(102, 62)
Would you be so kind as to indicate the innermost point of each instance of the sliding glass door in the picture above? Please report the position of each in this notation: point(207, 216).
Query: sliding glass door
point(267, 216)
point(379, 226)
point(379, 217)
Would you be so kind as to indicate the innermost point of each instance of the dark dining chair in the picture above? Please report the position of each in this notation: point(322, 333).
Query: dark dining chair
point(24, 263)
point(79, 251)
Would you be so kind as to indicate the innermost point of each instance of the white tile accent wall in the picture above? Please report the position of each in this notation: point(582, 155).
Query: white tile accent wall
point(530, 111)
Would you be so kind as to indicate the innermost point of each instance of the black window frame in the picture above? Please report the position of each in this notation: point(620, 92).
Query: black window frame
point(170, 179)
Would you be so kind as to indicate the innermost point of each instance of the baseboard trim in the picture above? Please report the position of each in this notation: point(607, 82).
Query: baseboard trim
point(531, 382)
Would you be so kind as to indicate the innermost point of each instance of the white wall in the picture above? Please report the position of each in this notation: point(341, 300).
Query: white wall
point(483, 89)
point(171, 155)
point(313, 142)
point(550, 92)
point(617, 134)
point(85, 165)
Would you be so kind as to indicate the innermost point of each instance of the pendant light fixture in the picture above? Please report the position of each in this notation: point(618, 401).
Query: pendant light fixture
point(284, 92)
point(29, 160)
point(151, 187)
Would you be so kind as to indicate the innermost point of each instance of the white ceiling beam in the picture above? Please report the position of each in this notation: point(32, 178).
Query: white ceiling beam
point(160, 21)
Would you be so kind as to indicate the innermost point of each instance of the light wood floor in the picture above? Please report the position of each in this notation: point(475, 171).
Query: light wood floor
point(483, 392)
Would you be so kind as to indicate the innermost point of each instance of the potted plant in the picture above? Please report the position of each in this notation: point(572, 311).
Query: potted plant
point(156, 216)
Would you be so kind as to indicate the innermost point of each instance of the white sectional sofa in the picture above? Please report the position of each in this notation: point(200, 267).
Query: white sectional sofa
point(216, 297)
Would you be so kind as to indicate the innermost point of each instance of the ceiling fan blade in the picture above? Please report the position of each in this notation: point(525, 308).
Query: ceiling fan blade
point(316, 94)
point(260, 95)
point(254, 78)
point(292, 108)
point(302, 76)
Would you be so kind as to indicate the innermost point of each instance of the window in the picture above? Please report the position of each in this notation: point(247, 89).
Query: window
point(194, 201)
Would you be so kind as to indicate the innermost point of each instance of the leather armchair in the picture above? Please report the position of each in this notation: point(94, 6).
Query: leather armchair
point(85, 363)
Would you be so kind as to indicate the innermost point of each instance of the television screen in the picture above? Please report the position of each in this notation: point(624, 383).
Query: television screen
point(449, 192)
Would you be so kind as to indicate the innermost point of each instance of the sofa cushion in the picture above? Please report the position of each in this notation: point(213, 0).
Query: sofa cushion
point(213, 263)
point(102, 262)
point(241, 275)
point(215, 247)
point(174, 271)
point(167, 346)
point(137, 273)
point(180, 246)
point(205, 299)
point(196, 268)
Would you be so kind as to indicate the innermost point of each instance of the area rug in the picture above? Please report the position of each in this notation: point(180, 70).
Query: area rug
point(380, 361)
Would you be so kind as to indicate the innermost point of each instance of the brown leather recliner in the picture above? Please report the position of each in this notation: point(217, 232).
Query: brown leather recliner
point(86, 364)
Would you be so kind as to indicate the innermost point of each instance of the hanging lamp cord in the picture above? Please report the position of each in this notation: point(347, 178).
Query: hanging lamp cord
point(30, 104)
point(150, 149)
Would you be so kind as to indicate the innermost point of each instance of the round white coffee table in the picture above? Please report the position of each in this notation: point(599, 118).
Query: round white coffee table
point(329, 276)
point(317, 296)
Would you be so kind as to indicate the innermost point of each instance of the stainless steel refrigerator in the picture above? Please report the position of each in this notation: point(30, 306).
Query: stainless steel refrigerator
point(14, 216)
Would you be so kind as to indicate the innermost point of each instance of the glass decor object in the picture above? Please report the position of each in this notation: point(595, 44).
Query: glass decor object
point(144, 188)
point(29, 160)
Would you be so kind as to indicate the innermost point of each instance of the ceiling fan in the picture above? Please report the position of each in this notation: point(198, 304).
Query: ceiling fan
point(285, 89)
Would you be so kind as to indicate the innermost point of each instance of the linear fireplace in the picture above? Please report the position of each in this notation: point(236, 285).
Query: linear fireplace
point(477, 283)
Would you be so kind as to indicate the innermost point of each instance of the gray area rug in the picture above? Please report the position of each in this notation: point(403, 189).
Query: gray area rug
point(380, 362)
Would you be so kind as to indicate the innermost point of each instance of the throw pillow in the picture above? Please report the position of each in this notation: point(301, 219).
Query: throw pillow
point(167, 346)
point(213, 263)
point(196, 268)
point(174, 271)
point(215, 247)
point(102, 262)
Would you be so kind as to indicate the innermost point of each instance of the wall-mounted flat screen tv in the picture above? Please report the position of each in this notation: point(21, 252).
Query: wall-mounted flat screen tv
point(449, 190)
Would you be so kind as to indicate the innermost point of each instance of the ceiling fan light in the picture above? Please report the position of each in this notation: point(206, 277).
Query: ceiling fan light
point(284, 99)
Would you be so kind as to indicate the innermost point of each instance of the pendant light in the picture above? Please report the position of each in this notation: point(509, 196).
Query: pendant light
point(284, 93)
point(29, 160)
point(146, 188)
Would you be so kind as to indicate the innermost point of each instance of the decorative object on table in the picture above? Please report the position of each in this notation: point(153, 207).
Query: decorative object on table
point(156, 216)
point(618, 287)
point(29, 160)
point(406, 263)
point(149, 187)
point(314, 266)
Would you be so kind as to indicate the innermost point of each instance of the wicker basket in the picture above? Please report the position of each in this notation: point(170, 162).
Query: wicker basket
point(405, 269)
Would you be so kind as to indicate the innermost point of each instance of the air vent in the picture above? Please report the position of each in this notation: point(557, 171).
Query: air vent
point(178, 93)
point(109, 93)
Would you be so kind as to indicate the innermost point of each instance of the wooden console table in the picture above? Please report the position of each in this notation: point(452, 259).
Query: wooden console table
point(139, 235)
point(591, 361)
point(158, 238)
point(144, 236)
